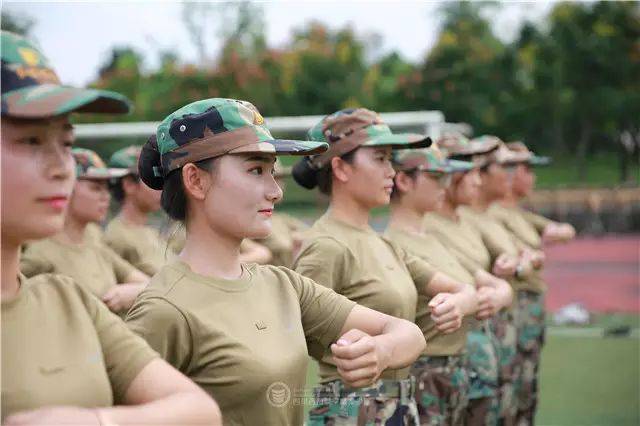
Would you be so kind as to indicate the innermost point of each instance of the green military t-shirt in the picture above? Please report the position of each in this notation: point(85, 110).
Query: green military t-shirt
point(429, 248)
point(512, 218)
point(281, 239)
point(246, 341)
point(140, 245)
point(538, 221)
point(94, 234)
point(366, 268)
point(62, 346)
point(497, 239)
point(461, 239)
point(94, 266)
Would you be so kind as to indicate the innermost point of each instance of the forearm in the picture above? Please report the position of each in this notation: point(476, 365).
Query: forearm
point(403, 340)
point(181, 408)
point(467, 299)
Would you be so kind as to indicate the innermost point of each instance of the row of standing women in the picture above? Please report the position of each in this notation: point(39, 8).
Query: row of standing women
point(438, 321)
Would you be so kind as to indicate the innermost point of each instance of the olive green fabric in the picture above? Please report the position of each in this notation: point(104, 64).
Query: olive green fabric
point(94, 266)
point(366, 268)
point(514, 221)
point(538, 221)
point(236, 338)
point(429, 248)
point(461, 239)
point(62, 346)
point(93, 234)
point(140, 245)
point(498, 240)
point(281, 239)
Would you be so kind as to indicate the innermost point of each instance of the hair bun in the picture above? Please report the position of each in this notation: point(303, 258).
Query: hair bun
point(305, 174)
point(150, 165)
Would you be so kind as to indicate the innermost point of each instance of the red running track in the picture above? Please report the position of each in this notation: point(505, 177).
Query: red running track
point(602, 273)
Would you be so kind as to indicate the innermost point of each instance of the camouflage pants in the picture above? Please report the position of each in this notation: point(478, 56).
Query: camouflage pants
point(442, 386)
point(530, 324)
point(389, 403)
point(482, 365)
point(505, 332)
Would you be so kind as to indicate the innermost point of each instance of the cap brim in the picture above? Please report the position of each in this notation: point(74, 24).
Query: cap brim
point(537, 160)
point(400, 141)
point(283, 147)
point(104, 173)
point(50, 100)
point(453, 166)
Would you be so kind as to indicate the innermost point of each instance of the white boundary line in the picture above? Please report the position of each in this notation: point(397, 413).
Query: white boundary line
point(587, 332)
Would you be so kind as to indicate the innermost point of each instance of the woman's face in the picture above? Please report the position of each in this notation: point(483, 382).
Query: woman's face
point(523, 181)
point(90, 200)
point(38, 175)
point(427, 193)
point(370, 177)
point(466, 187)
point(242, 195)
point(146, 199)
point(495, 183)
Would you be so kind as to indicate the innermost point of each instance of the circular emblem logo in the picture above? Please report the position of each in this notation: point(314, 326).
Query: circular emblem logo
point(278, 394)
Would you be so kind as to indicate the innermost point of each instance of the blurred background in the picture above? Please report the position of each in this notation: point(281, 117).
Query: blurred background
point(564, 77)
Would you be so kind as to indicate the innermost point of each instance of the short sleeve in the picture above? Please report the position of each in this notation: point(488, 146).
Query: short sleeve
point(121, 267)
point(165, 329)
point(539, 222)
point(421, 271)
point(327, 262)
point(125, 354)
point(323, 313)
point(33, 263)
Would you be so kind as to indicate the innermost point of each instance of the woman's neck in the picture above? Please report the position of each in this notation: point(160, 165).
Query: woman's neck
point(405, 218)
point(345, 209)
point(509, 200)
point(211, 253)
point(131, 214)
point(73, 232)
point(10, 269)
point(448, 209)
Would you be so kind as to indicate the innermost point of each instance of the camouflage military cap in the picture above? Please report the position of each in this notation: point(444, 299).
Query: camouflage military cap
point(126, 158)
point(349, 129)
point(213, 127)
point(89, 165)
point(533, 160)
point(432, 160)
point(456, 145)
point(31, 88)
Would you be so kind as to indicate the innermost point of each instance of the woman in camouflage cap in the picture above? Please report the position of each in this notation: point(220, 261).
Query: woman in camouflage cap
point(65, 358)
point(341, 251)
point(244, 331)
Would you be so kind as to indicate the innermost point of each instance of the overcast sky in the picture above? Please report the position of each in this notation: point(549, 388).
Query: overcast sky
point(77, 36)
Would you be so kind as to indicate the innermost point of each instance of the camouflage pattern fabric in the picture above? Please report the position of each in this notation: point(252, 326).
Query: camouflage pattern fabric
point(504, 329)
point(530, 325)
point(431, 160)
point(89, 165)
point(386, 403)
point(348, 129)
point(456, 145)
point(126, 158)
point(442, 389)
point(31, 88)
point(217, 126)
point(483, 368)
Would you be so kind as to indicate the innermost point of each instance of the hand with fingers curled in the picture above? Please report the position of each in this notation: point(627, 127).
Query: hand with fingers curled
point(446, 312)
point(505, 265)
point(535, 257)
point(360, 358)
point(488, 303)
point(119, 298)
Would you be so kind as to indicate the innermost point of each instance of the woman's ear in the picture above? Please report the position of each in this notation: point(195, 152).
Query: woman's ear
point(403, 182)
point(196, 181)
point(341, 169)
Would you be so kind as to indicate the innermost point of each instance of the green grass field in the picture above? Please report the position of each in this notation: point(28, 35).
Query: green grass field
point(585, 380)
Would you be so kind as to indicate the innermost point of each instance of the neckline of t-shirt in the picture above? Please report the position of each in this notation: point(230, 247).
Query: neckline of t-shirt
point(241, 284)
point(71, 246)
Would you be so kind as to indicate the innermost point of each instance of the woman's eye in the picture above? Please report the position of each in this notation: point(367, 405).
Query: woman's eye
point(32, 140)
point(256, 171)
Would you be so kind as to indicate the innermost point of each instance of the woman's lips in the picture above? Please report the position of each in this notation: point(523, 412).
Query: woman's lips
point(266, 212)
point(57, 202)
